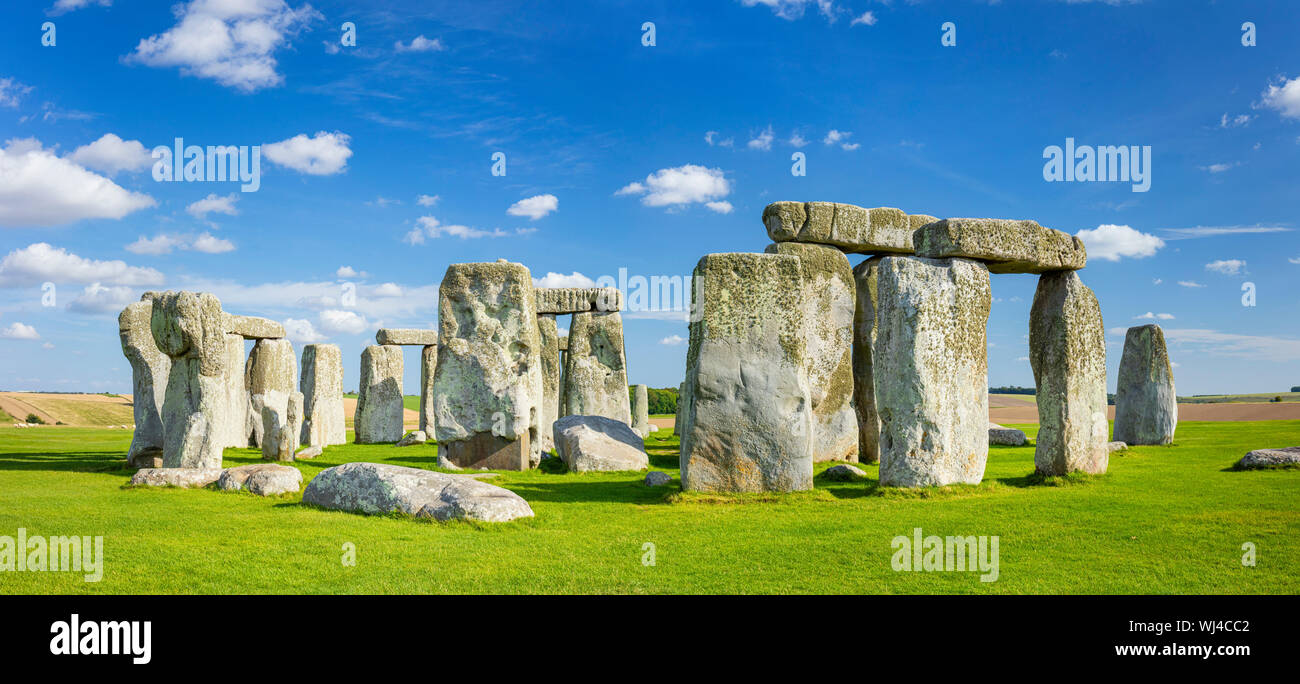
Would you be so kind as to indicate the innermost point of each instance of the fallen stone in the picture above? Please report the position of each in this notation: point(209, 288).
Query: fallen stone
point(448, 465)
point(864, 341)
point(175, 477)
point(262, 479)
point(189, 327)
point(1270, 458)
point(428, 366)
point(415, 337)
point(1112, 447)
point(379, 410)
point(595, 375)
point(641, 410)
point(1006, 436)
point(149, 370)
point(656, 478)
point(377, 489)
point(1006, 246)
point(844, 473)
point(253, 328)
point(309, 452)
point(412, 438)
point(847, 227)
point(567, 300)
point(549, 404)
point(596, 443)
point(1146, 406)
point(321, 384)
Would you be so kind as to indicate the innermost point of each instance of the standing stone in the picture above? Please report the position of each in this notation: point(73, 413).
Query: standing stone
point(550, 356)
point(281, 416)
point(677, 415)
point(864, 341)
point(931, 380)
point(828, 300)
point(428, 364)
point(747, 422)
point(1146, 408)
point(321, 384)
point(271, 365)
point(189, 327)
point(488, 384)
point(379, 401)
point(596, 375)
point(236, 434)
point(641, 410)
point(149, 370)
point(1067, 349)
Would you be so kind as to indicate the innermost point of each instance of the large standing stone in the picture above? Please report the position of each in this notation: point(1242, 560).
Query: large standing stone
point(271, 365)
point(550, 357)
point(864, 340)
point(596, 443)
point(149, 371)
point(677, 415)
point(236, 393)
point(1067, 349)
point(488, 384)
point(747, 423)
point(377, 489)
point(1146, 407)
point(1006, 246)
point(828, 300)
point(850, 228)
point(428, 365)
point(931, 378)
point(595, 379)
point(321, 384)
point(641, 410)
point(379, 401)
point(189, 327)
point(281, 424)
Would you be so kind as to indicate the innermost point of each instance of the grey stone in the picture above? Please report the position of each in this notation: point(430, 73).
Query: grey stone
point(1006, 246)
point(641, 409)
point(681, 403)
point(377, 489)
point(308, 453)
point(550, 401)
point(271, 366)
point(428, 367)
point(1006, 436)
point(232, 377)
point(415, 337)
point(189, 327)
point(864, 340)
point(829, 301)
point(321, 384)
point(262, 479)
point(175, 477)
point(747, 423)
point(412, 438)
point(595, 378)
point(564, 344)
point(253, 328)
point(1067, 350)
point(850, 228)
point(281, 423)
point(1146, 406)
point(149, 370)
point(1112, 447)
point(1270, 458)
point(656, 478)
point(379, 401)
point(932, 316)
point(567, 300)
point(596, 443)
point(845, 473)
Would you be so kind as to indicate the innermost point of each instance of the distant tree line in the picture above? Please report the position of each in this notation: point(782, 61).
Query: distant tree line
point(660, 400)
point(1012, 390)
point(1295, 389)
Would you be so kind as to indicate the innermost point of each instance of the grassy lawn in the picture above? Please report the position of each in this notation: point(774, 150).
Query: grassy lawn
point(1163, 520)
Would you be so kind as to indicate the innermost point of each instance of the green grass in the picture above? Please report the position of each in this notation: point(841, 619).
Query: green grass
point(1163, 520)
point(409, 401)
point(1239, 398)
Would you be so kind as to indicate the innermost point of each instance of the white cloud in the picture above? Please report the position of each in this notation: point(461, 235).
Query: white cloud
point(722, 206)
point(1226, 266)
point(431, 227)
point(794, 9)
point(386, 290)
point(1285, 98)
point(1295, 260)
point(574, 279)
point(534, 207)
point(111, 154)
point(214, 204)
point(62, 6)
point(1210, 231)
point(11, 91)
point(165, 243)
point(230, 41)
point(1254, 347)
point(337, 321)
point(708, 138)
point(38, 188)
point(1190, 283)
point(867, 18)
point(1112, 243)
point(42, 262)
point(322, 155)
point(1234, 122)
point(100, 299)
point(1153, 316)
point(1157, 281)
point(19, 331)
point(851, 146)
point(301, 331)
point(1219, 168)
point(210, 244)
point(680, 186)
point(797, 140)
point(349, 272)
point(834, 136)
point(673, 340)
point(763, 141)
point(420, 44)
point(427, 200)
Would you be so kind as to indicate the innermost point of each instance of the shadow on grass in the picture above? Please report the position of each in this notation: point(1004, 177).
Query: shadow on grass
point(77, 461)
point(574, 490)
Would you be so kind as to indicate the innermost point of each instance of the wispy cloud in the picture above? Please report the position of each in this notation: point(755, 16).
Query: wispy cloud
point(1211, 231)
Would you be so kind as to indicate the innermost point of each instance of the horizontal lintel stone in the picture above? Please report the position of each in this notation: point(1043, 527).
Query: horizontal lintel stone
point(566, 300)
point(411, 337)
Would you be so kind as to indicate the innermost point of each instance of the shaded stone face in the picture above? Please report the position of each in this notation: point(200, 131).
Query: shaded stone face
point(1146, 407)
point(829, 301)
point(321, 384)
point(271, 366)
point(567, 300)
point(641, 409)
point(595, 375)
point(379, 400)
point(548, 332)
point(931, 370)
point(428, 365)
point(849, 228)
point(189, 327)
point(1067, 349)
point(747, 421)
point(864, 339)
point(415, 337)
point(149, 371)
point(488, 383)
point(1005, 246)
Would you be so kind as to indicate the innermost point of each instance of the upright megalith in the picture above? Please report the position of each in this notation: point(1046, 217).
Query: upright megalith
point(428, 364)
point(379, 401)
point(677, 415)
point(321, 384)
point(828, 302)
point(189, 327)
point(487, 388)
point(149, 370)
point(931, 370)
point(747, 422)
point(281, 416)
point(1146, 407)
point(548, 332)
point(236, 432)
point(595, 377)
point(271, 365)
point(1067, 350)
point(864, 340)
point(641, 410)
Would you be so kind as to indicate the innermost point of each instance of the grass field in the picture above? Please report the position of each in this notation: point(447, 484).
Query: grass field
point(1163, 520)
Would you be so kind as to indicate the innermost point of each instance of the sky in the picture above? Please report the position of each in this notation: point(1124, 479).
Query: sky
point(592, 138)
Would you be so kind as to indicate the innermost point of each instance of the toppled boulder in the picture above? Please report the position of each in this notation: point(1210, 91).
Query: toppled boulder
point(377, 489)
point(412, 438)
point(309, 452)
point(1270, 458)
point(656, 478)
point(262, 479)
point(175, 477)
point(1112, 447)
point(1006, 246)
point(844, 473)
point(1006, 436)
point(596, 443)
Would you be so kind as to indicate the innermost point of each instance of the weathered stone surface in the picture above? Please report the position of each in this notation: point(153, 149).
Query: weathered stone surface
point(488, 383)
point(321, 384)
point(1006, 436)
point(681, 404)
point(595, 379)
point(1006, 246)
point(829, 301)
point(564, 344)
point(917, 220)
point(253, 328)
point(567, 300)
point(412, 438)
point(845, 473)
point(428, 365)
point(596, 443)
point(377, 489)
point(415, 337)
point(1112, 447)
point(309, 452)
point(262, 479)
point(850, 228)
point(1146, 407)
point(281, 415)
point(933, 399)
point(379, 399)
point(864, 340)
point(271, 366)
point(1270, 458)
point(641, 410)
point(175, 477)
point(656, 478)
point(189, 327)
point(549, 405)
point(149, 370)
point(747, 423)
point(1067, 350)
point(232, 377)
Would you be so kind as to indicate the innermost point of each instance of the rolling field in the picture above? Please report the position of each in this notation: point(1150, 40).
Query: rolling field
point(1163, 520)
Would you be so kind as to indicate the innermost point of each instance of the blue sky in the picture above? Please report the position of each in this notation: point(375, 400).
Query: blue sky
point(621, 155)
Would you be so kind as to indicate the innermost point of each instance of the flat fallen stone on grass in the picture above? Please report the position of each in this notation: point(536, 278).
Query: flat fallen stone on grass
point(377, 489)
point(844, 473)
point(852, 229)
point(1006, 436)
point(656, 478)
point(1112, 447)
point(596, 443)
point(1006, 246)
point(412, 438)
point(262, 479)
point(1270, 458)
point(176, 477)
